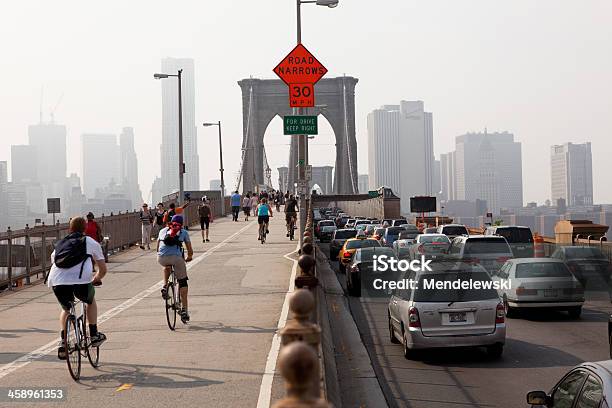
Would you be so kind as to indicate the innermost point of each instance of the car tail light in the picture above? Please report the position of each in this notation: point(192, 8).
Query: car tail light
point(413, 317)
point(347, 255)
point(500, 313)
point(421, 249)
point(502, 259)
point(521, 291)
point(573, 291)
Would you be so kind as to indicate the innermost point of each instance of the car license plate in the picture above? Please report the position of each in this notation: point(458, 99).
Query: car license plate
point(550, 292)
point(457, 317)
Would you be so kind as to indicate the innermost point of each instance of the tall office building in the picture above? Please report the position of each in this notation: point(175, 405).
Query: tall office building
point(448, 184)
point(283, 179)
point(170, 125)
point(364, 183)
point(400, 150)
point(100, 162)
point(3, 194)
point(24, 159)
point(488, 166)
point(128, 166)
point(571, 171)
point(50, 142)
point(436, 180)
point(215, 185)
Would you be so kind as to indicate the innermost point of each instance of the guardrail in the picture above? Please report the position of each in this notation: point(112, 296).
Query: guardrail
point(301, 360)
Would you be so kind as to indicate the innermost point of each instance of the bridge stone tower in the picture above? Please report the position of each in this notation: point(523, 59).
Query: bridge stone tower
point(263, 99)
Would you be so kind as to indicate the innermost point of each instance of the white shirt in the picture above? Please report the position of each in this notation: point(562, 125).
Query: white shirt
point(254, 201)
point(70, 276)
point(246, 202)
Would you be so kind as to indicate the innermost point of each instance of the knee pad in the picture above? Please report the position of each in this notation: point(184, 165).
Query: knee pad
point(183, 283)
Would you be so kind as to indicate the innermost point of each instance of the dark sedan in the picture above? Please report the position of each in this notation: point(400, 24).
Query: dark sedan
point(337, 241)
point(588, 264)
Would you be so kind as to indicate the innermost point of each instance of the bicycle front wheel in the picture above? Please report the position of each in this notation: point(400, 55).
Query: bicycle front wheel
point(73, 352)
point(171, 306)
point(93, 353)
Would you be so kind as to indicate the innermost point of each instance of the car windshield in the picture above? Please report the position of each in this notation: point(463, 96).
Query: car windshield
point(437, 239)
point(584, 253)
point(486, 246)
point(345, 234)
point(362, 243)
point(516, 235)
point(395, 230)
point(455, 230)
point(542, 270)
point(439, 287)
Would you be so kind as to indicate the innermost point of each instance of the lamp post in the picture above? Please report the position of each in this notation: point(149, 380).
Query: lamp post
point(303, 139)
point(206, 124)
point(180, 125)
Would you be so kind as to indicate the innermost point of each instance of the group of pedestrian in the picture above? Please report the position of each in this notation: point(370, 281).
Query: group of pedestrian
point(152, 222)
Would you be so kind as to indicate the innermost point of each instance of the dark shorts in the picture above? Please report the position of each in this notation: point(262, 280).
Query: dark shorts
point(290, 215)
point(204, 222)
point(263, 219)
point(65, 294)
point(247, 210)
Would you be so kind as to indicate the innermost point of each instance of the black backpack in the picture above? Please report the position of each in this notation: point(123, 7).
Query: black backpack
point(71, 251)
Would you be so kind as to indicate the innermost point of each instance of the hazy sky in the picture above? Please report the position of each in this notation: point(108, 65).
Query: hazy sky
point(539, 69)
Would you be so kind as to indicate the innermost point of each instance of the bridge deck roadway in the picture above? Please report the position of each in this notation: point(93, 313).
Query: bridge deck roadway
point(237, 290)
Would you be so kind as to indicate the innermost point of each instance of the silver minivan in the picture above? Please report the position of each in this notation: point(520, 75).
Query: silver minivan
point(423, 316)
point(490, 251)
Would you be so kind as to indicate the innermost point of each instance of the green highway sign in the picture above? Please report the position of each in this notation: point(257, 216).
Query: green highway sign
point(300, 125)
point(373, 194)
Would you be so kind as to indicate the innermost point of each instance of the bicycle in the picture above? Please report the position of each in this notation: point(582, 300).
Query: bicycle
point(172, 300)
point(291, 228)
point(263, 227)
point(77, 341)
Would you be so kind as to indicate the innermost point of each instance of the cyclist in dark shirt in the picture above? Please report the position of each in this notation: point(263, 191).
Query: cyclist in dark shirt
point(291, 209)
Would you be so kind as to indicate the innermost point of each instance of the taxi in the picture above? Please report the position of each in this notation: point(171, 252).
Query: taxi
point(347, 251)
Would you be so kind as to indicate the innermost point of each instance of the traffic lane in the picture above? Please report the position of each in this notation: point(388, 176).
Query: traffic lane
point(540, 347)
point(236, 295)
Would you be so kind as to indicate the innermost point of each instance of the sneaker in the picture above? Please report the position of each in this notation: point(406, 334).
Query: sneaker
point(184, 316)
point(203, 240)
point(164, 293)
point(267, 231)
point(207, 240)
point(97, 339)
point(287, 235)
point(259, 238)
point(61, 350)
point(141, 247)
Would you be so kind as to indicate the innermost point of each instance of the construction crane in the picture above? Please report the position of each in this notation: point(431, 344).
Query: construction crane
point(52, 111)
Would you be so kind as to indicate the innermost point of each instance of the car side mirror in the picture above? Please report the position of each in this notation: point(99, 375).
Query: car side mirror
point(538, 398)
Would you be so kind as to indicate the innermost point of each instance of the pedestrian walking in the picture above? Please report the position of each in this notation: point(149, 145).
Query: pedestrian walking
point(206, 217)
point(92, 228)
point(254, 202)
point(146, 219)
point(246, 206)
point(159, 219)
point(235, 202)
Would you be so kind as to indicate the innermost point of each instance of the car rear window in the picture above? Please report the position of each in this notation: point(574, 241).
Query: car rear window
point(584, 253)
point(457, 230)
point(362, 243)
point(440, 239)
point(368, 253)
point(486, 246)
point(345, 234)
point(516, 235)
point(395, 230)
point(453, 295)
point(542, 270)
point(326, 223)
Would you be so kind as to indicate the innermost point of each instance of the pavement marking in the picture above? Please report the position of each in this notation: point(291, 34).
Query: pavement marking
point(265, 390)
point(124, 387)
point(40, 352)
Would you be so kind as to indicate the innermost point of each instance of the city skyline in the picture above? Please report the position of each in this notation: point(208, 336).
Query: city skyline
point(525, 100)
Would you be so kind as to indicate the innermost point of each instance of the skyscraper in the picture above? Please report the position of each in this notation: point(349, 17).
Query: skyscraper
point(448, 176)
point(571, 172)
point(283, 179)
point(400, 150)
point(3, 194)
point(364, 183)
point(170, 125)
point(128, 166)
point(50, 142)
point(100, 162)
point(24, 159)
point(488, 166)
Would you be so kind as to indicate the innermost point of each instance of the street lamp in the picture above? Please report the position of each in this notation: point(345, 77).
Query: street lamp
point(206, 124)
point(303, 139)
point(180, 123)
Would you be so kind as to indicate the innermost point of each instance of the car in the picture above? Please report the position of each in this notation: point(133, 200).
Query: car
point(322, 224)
point(350, 246)
point(411, 231)
point(370, 229)
point(390, 235)
point(424, 317)
point(588, 264)
point(361, 222)
point(430, 230)
point(378, 233)
point(326, 233)
point(431, 246)
point(398, 222)
point(341, 220)
point(586, 385)
point(360, 270)
point(490, 251)
point(540, 283)
point(337, 241)
point(359, 217)
point(519, 238)
point(401, 248)
point(350, 223)
point(452, 230)
point(361, 227)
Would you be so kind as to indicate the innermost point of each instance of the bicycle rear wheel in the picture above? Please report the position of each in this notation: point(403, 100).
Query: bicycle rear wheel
point(292, 231)
point(73, 349)
point(171, 306)
point(93, 353)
